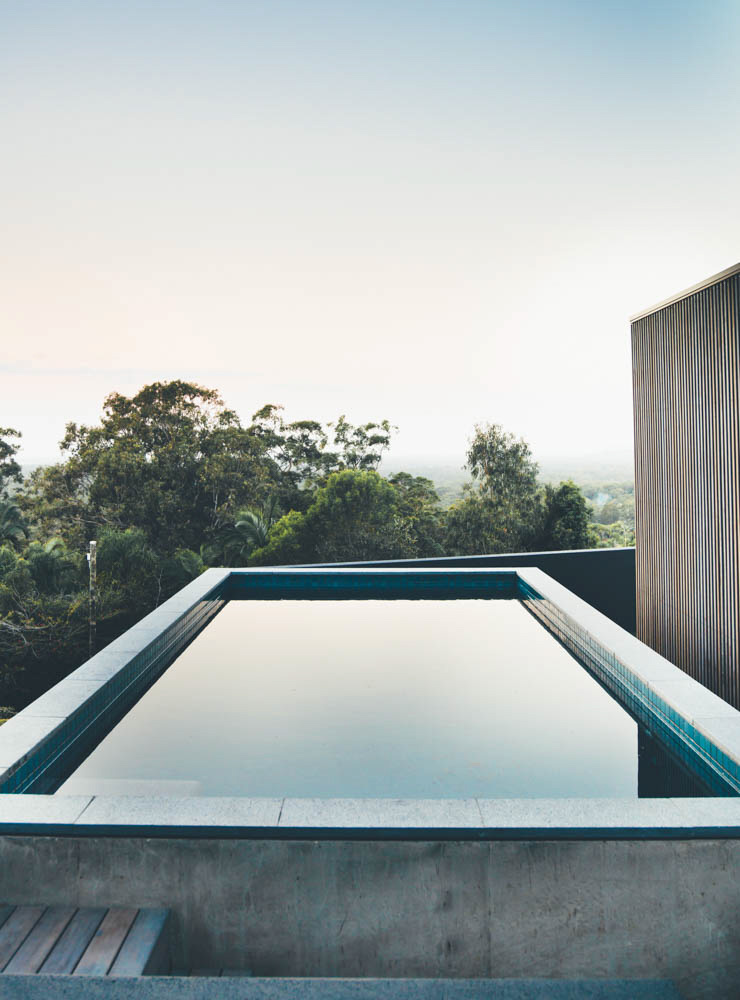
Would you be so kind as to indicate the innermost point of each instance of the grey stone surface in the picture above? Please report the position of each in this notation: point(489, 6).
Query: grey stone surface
point(380, 813)
point(19, 735)
point(63, 698)
point(146, 787)
point(134, 639)
point(567, 910)
point(177, 988)
point(41, 808)
point(692, 700)
point(166, 805)
point(579, 814)
point(103, 665)
point(724, 733)
point(191, 811)
point(710, 812)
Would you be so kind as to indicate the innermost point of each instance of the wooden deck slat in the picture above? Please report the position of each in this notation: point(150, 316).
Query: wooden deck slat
point(5, 912)
point(103, 949)
point(34, 950)
point(143, 952)
point(16, 929)
point(71, 945)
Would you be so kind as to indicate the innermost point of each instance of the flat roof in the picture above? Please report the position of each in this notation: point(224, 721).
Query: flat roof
point(700, 286)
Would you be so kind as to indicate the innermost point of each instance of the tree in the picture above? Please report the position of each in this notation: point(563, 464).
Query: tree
point(567, 523)
point(501, 510)
point(354, 517)
point(295, 452)
point(618, 534)
point(419, 515)
point(502, 467)
point(55, 569)
point(304, 452)
point(43, 622)
point(178, 570)
point(12, 526)
point(128, 570)
point(10, 470)
point(171, 460)
point(361, 447)
point(250, 531)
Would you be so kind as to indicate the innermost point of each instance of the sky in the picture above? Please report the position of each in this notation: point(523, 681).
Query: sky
point(440, 213)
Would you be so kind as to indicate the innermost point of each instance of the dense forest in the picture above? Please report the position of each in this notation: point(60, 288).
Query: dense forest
point(171, 481)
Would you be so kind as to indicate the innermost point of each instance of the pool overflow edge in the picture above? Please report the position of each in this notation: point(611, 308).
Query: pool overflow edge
point(42, 744)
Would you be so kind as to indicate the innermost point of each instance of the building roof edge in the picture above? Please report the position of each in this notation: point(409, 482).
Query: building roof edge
point(700, 286)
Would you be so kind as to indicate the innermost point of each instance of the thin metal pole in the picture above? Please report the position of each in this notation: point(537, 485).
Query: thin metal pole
point(92, 562)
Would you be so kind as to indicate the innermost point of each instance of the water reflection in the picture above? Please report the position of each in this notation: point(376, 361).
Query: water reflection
point(422, 699)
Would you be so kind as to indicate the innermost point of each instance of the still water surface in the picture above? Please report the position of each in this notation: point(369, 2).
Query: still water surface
point(391, 699)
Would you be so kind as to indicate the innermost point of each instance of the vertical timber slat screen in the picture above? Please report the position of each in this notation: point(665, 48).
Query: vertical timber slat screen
point(685, 357)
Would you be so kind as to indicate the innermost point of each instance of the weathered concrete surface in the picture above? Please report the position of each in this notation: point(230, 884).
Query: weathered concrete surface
point(568, 909)
point(159, 988)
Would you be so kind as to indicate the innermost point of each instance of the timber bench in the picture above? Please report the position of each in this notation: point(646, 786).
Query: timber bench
point(120, 941)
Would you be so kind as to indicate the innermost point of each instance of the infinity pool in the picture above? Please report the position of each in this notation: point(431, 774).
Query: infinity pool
point(377, 698)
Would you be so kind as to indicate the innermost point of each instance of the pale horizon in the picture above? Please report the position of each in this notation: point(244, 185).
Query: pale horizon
point(437, 214)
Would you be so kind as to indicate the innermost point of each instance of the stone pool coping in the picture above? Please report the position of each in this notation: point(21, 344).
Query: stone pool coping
point(41, 734)
point(371, 819)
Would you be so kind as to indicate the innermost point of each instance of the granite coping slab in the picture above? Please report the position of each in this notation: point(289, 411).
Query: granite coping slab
point(20, 736)
point(380, 813)
point(691, 699)
point(724, 732)
point(194, 811)
point(103, 665)
point(64, 698)
point(370, 819)
point(53, 809)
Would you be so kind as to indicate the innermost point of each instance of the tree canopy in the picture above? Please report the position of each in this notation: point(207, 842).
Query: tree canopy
point(170, 481)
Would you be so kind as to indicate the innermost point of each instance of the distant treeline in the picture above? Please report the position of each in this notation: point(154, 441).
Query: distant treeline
point(170, 482)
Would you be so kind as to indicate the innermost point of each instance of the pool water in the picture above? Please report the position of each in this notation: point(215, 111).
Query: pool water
point(371, 698)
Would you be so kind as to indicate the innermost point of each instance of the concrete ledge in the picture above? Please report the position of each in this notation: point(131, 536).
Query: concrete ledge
point(575, 909)
point(371, 819)
point(177, 988)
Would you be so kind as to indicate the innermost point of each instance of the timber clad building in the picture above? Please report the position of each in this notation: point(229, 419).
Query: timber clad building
point(685, 370)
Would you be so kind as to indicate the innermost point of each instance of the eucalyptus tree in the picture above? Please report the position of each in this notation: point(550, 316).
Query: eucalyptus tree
point(10, 470)
point(171, 460)
point(501, 510)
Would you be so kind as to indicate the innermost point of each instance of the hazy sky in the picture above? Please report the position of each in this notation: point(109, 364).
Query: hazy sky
point(435, 212)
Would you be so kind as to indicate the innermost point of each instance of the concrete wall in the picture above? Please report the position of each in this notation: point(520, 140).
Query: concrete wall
point(374, 908)
point(604, 578)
